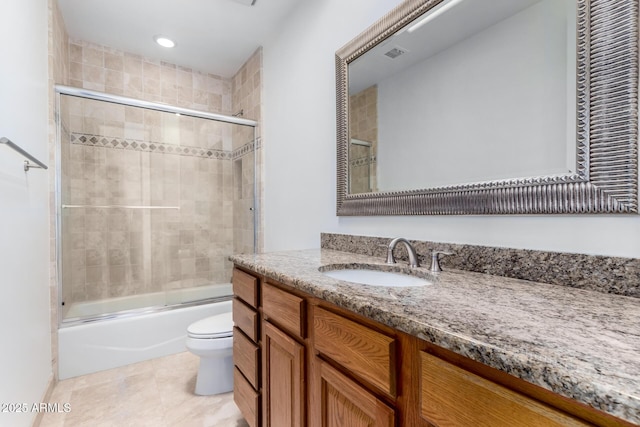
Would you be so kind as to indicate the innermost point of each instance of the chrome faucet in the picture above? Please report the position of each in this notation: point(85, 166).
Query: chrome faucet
point(435, 260)
point(413, 257)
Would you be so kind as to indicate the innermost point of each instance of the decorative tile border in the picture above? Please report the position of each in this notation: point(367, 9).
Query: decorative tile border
point(160, 147)
point(364, 161)
point(246, 149)
point(611, 275)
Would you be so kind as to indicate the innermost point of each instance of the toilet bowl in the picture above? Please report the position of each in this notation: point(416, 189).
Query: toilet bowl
point(212, 340)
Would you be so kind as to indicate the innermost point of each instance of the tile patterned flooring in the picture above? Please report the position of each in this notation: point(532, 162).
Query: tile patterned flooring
point(154, 393)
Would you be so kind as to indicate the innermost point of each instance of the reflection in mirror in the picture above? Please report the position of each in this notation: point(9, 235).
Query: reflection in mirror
point(471, 91)
point(490, 107)
point(362, 167)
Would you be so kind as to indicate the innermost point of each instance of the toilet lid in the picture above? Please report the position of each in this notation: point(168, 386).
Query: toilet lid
point(219, 326)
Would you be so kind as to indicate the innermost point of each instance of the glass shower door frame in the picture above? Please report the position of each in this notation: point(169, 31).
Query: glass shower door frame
point(116, 99)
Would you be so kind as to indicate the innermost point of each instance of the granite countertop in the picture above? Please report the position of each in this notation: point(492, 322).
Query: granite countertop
point(581, 344)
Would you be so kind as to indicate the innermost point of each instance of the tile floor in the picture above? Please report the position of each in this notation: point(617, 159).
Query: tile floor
point(157, 393)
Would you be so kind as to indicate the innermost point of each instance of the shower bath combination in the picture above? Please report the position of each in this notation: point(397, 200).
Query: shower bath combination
point(151, 200)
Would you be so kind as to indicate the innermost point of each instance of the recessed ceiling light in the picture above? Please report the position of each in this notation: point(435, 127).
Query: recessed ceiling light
point(164, 41)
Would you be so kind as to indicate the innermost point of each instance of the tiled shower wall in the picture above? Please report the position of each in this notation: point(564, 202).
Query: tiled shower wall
point(363, 125)
point(108, 70)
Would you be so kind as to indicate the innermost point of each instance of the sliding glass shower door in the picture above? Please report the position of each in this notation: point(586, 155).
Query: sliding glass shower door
point(151, 204)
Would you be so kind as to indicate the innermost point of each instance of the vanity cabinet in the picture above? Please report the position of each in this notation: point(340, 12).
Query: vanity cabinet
point(320, 365)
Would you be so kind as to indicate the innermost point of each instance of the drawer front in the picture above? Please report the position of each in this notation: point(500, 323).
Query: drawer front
point(246, 356)
point(361, 350)
point(284, 309)
point(246, 319)
point(247, 399)
point(450, 395)
point(245, 287)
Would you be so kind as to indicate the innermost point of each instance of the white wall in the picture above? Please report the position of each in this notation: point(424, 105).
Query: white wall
point(300, 159)
point(25, 358)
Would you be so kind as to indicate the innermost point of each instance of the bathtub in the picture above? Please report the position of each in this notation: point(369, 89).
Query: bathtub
point(118, 341)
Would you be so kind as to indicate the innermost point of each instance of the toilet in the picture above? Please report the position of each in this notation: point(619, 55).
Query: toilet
point(212, 340)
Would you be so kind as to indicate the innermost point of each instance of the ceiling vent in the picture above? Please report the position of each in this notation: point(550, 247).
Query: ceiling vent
point(395, 52)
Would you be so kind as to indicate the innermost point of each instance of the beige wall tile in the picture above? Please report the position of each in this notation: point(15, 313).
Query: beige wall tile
point(133, 64)
point(114, 61)
point(93, 55)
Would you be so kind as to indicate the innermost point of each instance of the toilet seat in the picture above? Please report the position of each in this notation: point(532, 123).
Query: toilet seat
point(219, 326)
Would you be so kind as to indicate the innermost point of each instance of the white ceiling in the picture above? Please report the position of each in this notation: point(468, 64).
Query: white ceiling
point(216, 36)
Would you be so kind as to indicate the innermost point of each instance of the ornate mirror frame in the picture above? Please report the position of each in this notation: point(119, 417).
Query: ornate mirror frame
point(606, 179)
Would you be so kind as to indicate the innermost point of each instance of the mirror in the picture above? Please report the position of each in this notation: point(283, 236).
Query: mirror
point(490, 107)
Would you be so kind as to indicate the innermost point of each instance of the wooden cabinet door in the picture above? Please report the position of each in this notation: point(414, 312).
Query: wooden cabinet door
point(452, 396)
point(343, 402)
point(283, 379)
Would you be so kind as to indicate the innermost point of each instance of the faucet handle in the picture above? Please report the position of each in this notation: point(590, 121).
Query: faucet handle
point(435, 260)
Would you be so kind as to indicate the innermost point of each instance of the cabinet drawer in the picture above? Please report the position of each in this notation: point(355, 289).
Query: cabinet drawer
point(245, 287)
point(246, 357)
point(246, 319)
point(450, 395)
point(247, 399)
point(361, 350)
point(284, 309)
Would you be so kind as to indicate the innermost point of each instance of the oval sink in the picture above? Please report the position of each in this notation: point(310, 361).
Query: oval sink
point(377, 278)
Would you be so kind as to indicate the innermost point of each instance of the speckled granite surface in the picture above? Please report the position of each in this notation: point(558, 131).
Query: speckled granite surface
point(578, 343)
point(612, 275)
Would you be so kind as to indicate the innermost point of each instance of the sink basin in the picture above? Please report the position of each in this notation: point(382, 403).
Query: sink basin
point(376, 278)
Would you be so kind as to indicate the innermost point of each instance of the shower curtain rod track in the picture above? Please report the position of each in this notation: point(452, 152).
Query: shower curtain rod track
point(157, 106)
